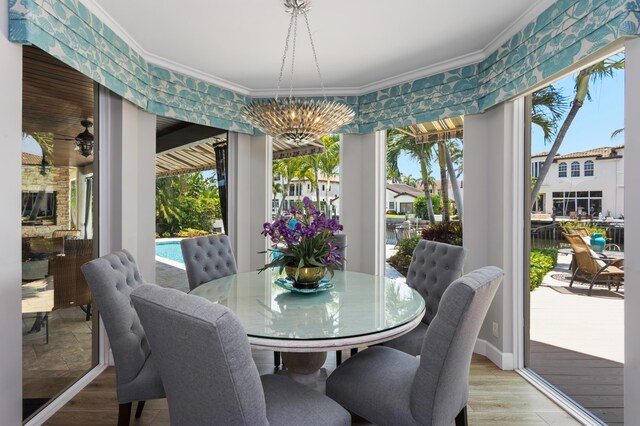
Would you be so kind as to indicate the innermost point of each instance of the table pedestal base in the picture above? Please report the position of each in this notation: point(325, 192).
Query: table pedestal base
point(303, 362)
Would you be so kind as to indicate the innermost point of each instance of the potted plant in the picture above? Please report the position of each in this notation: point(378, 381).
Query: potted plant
point(304, 245)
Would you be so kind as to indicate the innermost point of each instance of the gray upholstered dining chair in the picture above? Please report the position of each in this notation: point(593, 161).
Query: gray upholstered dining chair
point(204, 358)
point(390, 387)
point(433, 268)
point(207, 258)
point(111, 279)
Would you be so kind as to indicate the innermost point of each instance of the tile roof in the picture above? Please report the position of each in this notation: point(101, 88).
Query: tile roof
point(602, 152)
point(401, 188)
point(29, 159)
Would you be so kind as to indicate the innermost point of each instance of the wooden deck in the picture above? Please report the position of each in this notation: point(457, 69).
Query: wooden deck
point(594, 383)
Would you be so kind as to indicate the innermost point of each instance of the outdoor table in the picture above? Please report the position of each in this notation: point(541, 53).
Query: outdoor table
point(359, 310)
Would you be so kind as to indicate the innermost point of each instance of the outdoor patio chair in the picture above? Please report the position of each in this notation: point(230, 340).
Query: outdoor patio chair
point(203, 355)
point(112, 278)
point(433, 268)
point(389, 387)
point(70, 288)
point(591, 268)
point(207, 258)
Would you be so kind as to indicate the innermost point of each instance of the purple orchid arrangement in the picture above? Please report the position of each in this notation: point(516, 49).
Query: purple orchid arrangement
point(303, 238)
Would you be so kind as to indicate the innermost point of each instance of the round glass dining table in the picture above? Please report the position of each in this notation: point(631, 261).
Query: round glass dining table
point(359, 310)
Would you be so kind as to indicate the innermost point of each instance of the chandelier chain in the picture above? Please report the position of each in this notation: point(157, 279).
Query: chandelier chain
point(284, 55)
point(293, 53)
point(315, 56)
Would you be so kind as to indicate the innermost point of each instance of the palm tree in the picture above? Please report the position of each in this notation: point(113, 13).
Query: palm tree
point(329, 163)
point(594, 72)
point(288, 169)
point(168, 201)
point(397, 143)
point(410, 180)
point(453, 157)
point(444, 184)
point(311, 169)
point(276, 188)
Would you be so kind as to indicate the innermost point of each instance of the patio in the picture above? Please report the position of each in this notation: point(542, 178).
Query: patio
point(577, 342)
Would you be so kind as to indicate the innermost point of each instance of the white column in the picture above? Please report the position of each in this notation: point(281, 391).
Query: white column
point(632, 233)
point(127, 143)
point(362, 199)
point(249, 196)
point(10, 271)
point(493, 221)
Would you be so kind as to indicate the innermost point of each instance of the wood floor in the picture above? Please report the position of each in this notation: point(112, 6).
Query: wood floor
point(594, 383)
point(496, 398)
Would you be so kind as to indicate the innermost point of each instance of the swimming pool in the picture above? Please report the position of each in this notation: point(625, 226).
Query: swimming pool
point(170, 250)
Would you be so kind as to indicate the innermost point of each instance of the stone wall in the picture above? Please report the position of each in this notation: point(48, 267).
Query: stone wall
point(56, 181)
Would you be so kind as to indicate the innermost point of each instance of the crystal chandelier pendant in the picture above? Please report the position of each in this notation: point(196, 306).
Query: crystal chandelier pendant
point(291, 120)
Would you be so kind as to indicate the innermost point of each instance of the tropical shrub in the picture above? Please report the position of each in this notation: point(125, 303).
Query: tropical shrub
point(191, 233)
point(444, 232)
point(542, 261)
point(420, 207)
point(402, 259)
point(570, 225)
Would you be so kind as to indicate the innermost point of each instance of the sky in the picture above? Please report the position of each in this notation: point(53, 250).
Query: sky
point(591, 128)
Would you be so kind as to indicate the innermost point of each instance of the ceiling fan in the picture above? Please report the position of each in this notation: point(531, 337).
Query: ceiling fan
point(84, 141)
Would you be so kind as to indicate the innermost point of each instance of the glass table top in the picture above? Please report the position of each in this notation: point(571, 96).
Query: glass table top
point(359, 304)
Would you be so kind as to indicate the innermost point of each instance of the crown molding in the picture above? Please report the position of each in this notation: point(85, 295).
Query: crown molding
point(464, 60)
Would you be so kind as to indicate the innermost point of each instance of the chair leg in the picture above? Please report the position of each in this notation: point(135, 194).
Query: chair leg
point(139, 409)
point(461, 418)
point(276, 359)
point(124, 414)
point(338, 358)
point(354, 351)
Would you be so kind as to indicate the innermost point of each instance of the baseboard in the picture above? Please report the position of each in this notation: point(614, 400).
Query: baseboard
point(504, 361)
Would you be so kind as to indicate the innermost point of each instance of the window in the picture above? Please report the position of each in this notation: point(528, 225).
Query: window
point(562, 170)
point(575, 169)
point(292, 190)
point(588, 168)
point(406, 208)
point(323, 187)
point(38, 207)
point(582, 202)
point(536, 167)
point(392, 205)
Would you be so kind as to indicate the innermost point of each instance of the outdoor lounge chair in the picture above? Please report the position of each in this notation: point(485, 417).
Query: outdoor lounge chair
point(591, 268)
point(70, 287)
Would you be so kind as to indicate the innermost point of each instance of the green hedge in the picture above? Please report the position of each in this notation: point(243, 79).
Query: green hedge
point(542, 261)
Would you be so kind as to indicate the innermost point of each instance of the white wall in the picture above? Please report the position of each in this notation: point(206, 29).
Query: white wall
point(632, 231)
point(249, 196)
point(493, 219)
point(362, 180)
point(10, 270)
point(127, 180)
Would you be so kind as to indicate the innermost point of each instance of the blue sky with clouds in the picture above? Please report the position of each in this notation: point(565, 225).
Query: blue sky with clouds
point(592, 127)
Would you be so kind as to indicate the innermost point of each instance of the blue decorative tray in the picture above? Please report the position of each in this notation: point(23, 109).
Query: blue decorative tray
point(287, 283)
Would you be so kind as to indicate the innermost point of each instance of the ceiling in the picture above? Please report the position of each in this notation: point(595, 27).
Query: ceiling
point(361, 44)
point(55, 99)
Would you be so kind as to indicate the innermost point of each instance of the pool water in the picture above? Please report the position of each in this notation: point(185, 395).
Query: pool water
point(170, 250)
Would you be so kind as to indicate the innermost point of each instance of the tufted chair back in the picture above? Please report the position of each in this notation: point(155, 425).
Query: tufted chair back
point(441, 384)
point(203, 355)
point(207, 258)
point(433, 268)
point(111, 279)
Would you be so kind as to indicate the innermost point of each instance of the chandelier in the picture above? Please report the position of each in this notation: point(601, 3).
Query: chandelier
point(84, 141)
point(299, 121)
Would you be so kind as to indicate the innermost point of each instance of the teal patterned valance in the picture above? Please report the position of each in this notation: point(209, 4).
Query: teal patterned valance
point(565, 33)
